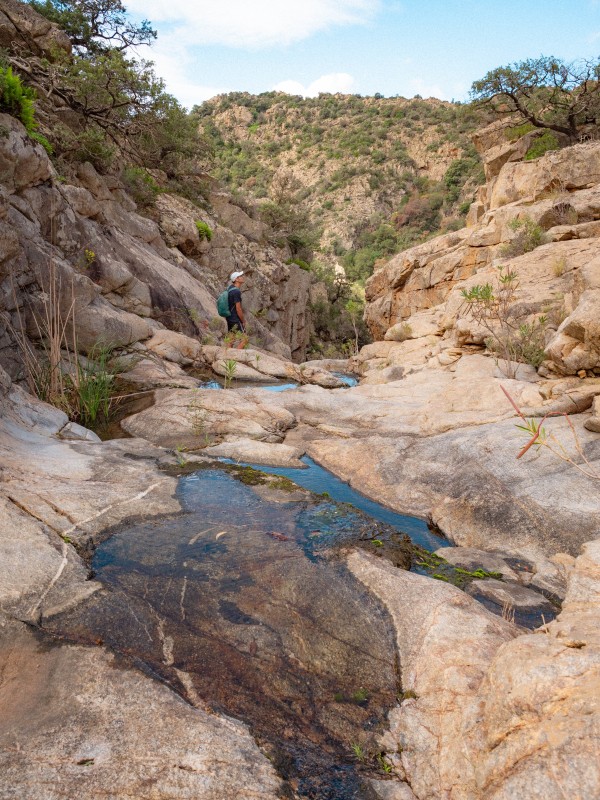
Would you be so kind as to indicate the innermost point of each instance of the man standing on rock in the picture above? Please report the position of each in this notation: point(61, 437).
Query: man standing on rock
point(235, 320)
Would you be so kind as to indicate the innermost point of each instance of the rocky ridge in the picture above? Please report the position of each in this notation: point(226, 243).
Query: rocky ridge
point(130, 277)
point(419, 292)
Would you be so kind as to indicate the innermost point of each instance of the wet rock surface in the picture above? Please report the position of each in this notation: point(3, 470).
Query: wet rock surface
point(240, 605)
point(521, 605)
point(77, 722)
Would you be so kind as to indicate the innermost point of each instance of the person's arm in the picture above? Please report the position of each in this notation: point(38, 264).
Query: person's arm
point(240, 313)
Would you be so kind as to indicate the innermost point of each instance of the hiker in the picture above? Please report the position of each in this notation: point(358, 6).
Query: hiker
point(235, 320)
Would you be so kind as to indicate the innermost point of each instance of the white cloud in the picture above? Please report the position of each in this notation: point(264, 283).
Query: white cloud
point(174, 71)
point(419, 86)
point(252, 23)
point(334, 83)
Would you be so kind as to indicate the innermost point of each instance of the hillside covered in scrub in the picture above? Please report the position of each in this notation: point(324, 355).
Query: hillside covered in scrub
point(348, 179)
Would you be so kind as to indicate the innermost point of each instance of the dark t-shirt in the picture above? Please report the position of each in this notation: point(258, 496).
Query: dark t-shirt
point(235, 296)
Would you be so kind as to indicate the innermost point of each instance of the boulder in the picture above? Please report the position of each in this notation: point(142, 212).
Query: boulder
point(81, 201)
point(257, 360)
point(177, 221)
point(174, 347)
point(189, 418)
point(575, 167)
point(593, 422)
point(23, 162)
point(539, 708)
point(576, 345)
point(414, 327)
point(486, 712)
point(100, 322)
point(236, 218)
point(74, 432)
point(446, 643)
point(241, 372)
point(251, 451)
point(147, 373)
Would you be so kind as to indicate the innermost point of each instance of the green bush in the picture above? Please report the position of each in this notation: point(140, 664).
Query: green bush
point(512, 134)
point(204, 230)
point(141, 185)
point(299, 263)
point(547, 141)
point(17, 99)
point(529, 236)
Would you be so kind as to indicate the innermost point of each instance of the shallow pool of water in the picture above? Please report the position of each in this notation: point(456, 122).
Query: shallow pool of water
point(242, 603)
point(276, 386)
point(319, 480)
point(349, 380)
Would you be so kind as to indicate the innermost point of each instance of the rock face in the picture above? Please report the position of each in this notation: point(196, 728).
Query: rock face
point(20, 23)
point(121, 277)
point(89, 727)
point(417, 294)
point(489, 714)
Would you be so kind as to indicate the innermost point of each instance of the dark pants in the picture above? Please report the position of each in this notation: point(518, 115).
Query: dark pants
point(234, 324)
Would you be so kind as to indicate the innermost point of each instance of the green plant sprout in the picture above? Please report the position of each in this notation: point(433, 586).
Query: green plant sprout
point(204, 230)
point(230, 367)
point(358, 751)
point(384, 765)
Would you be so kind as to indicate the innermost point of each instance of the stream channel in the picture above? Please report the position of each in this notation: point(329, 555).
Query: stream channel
point(243, 604)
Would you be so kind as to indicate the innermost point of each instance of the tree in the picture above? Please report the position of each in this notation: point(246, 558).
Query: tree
point(95, 25)
point(119, 103)
point(547, 92)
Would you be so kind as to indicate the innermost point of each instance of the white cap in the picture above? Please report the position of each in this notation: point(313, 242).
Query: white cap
point(235, 275)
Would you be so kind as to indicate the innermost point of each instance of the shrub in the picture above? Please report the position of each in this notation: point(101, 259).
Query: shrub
point(511, 339)
point(141, 185)
point(513, 134)
point(547, 141)
point(299, 263)
point(204, 230)
point(529, 236)
point(18, 100)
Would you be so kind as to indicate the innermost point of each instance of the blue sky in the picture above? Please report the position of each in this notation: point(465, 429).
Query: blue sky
point(395, 47)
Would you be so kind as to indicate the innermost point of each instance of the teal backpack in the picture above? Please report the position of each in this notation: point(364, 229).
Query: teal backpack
point(223, 303)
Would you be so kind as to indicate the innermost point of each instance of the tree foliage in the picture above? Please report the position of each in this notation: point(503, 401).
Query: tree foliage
point(105, 101)
point(17, 99)
point(547, 92)
point(95, 25)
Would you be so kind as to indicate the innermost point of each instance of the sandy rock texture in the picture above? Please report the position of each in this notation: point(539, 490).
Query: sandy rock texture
point(418, 293)
point(488, 713)
point(76, 723)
